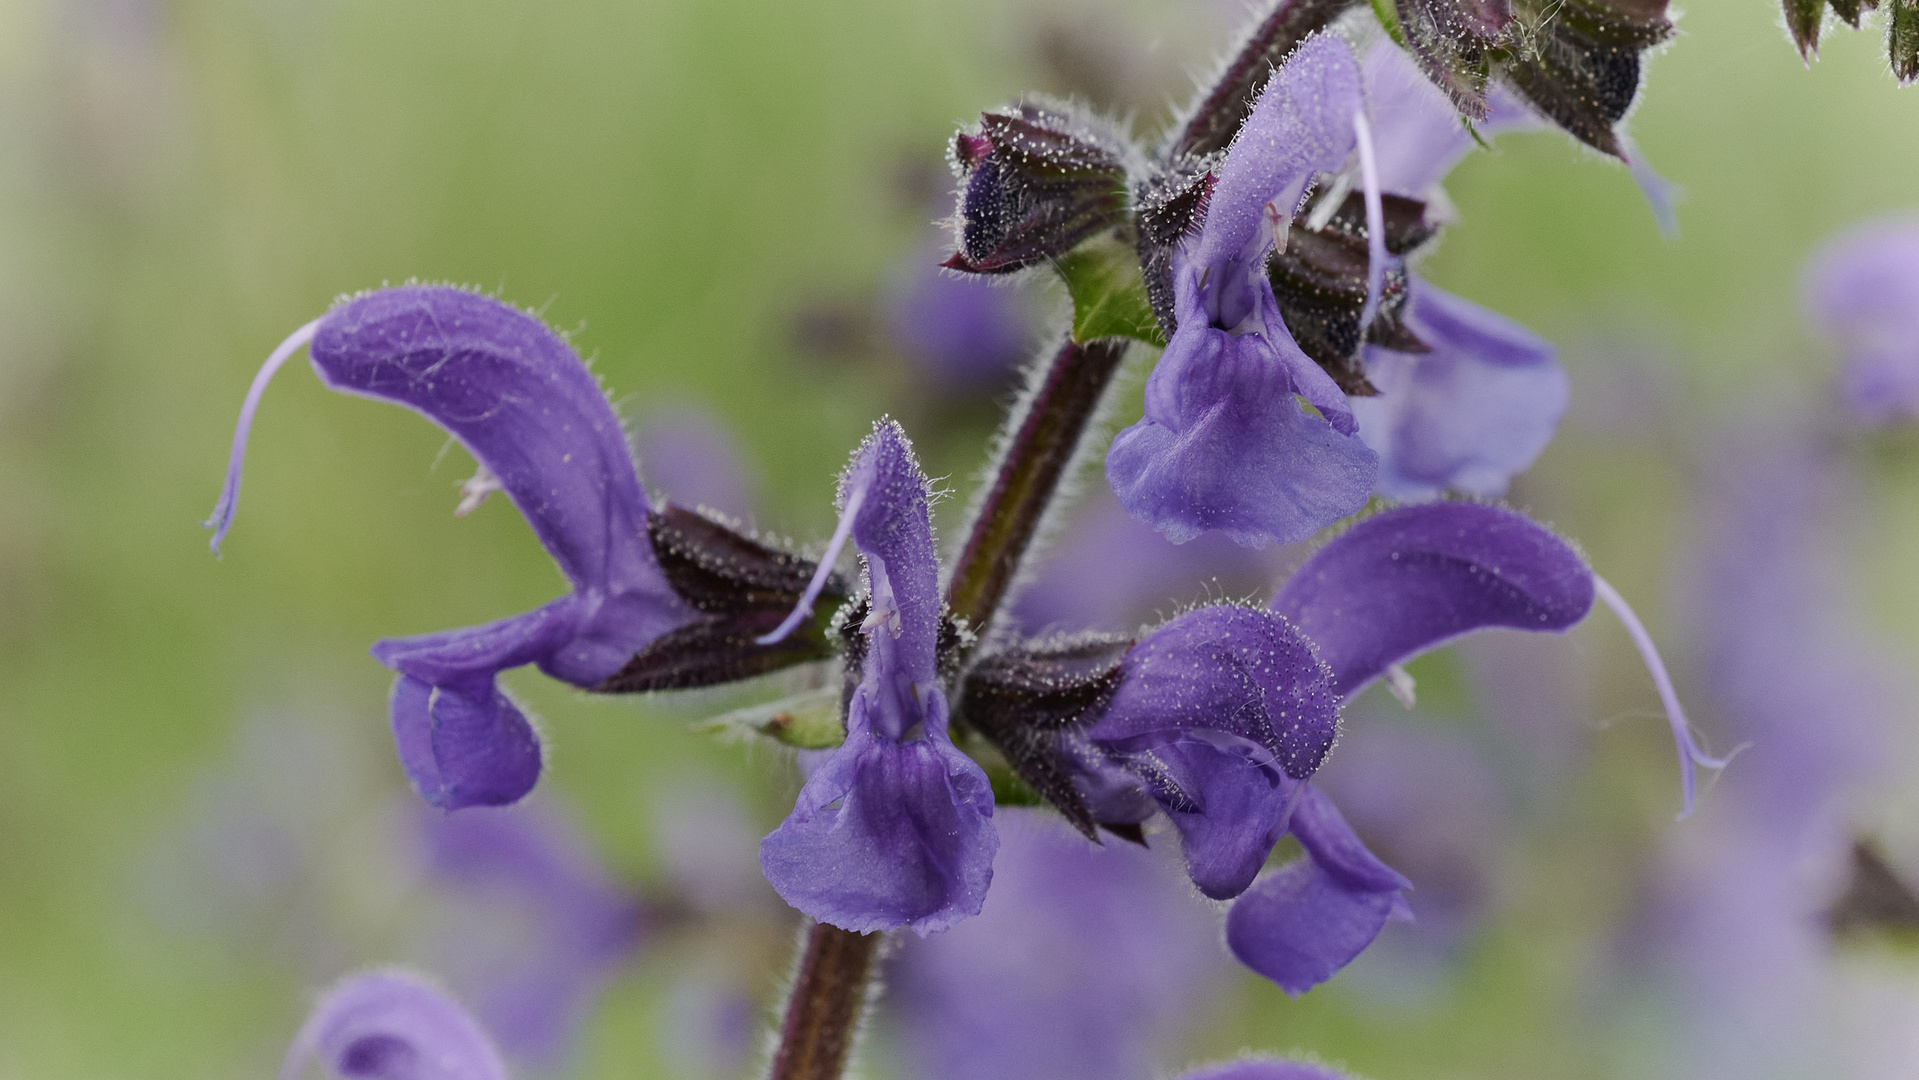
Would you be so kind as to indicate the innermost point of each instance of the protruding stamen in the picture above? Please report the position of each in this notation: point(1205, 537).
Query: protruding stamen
point(854, 500)
point(222, 518)
point(1375, 222)
point(1400, 682)
point(475, 489)
point(1689, 752)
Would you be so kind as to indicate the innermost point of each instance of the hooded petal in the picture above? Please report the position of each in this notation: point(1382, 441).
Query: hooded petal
point(1468, 415)
point(1303, 922)
point(1220, 713)
point(1301, 125)
point(1225, 445)
point(895, 829)
point(519, 399)
point(393, 1026)
point(1410, 579)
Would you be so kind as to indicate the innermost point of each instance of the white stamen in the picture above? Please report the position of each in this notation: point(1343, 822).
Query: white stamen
point(1375, 222)
point(883, 615)
point(223, 511)
point(1689, 752)
point(1329, 203)
point(804, 608)
point(1400, 682)
point(475, 489)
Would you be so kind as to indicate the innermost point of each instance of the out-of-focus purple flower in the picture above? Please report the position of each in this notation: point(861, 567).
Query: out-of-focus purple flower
point(1426, 802)
point(1468, 415)
point(1220, 715)
point(1109, 571)
point(692, 458)
point(965, 331)
point(1862, 288)
point(1483, 403)
point(1086, 963)
point(519, 399)
point(1266, 1069)
point(533, 886)
point(1225, 443)
point(1739, 900)
point(390, 1025)
point(895, 828)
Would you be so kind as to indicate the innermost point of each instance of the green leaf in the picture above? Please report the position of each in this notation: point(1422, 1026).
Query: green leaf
point(1109, 297)
point(808, 721)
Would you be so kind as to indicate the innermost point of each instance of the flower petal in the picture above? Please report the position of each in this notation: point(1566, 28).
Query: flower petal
point(1301, 923)
point(1301, 125)
point(893, 529)
point(462, 751)
point(518, 398)
point(888, 834)
point(1225, 445)
point(1413, 578)
point(1220, 713)
point(393, 1026)
point(1468, 415)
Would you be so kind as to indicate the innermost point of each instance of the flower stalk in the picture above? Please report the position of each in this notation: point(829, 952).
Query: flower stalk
point(837, 967)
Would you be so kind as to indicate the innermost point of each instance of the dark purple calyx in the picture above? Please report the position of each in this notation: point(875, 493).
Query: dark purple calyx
point(1320, 280)
point(742, 589)
point(1040, 179)
point(1584, 67)
point(1023, 700)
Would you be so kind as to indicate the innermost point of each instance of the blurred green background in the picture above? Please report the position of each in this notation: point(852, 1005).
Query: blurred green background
point(712, 196)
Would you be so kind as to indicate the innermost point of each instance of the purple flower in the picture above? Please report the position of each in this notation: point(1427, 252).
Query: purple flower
point(1086, 963)
point(1219, 716)
point(964, 331)
point(1469, 414)
point(518, 398)
point(528, 868)
point(1391, 587)
point(1862, 288)
point(1109, 571)
point(895, 828)
point(1225, 443)
point(390, 1025)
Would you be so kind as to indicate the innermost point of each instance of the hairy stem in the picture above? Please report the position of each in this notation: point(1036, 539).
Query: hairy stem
point(1219, 116)
point(823, 1015)
point(837, 967)
point(1038, 452)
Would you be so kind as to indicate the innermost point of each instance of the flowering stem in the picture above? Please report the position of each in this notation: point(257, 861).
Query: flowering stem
point(1041, 446)
point(837, 966)
point(823, 1014)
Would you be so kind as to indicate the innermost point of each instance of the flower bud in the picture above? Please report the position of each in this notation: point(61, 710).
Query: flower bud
point(1039, 180)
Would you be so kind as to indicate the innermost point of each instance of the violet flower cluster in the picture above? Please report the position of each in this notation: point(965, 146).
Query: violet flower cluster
point(1306, 370)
